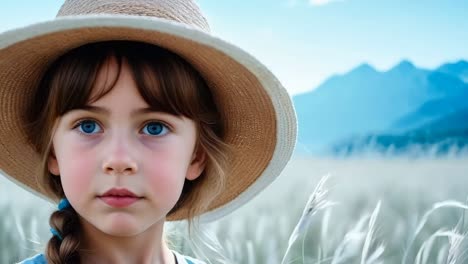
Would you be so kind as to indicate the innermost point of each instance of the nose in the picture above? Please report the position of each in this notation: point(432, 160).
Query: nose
point(119, 160)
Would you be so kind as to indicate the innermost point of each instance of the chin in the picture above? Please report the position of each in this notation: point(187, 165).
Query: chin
point(120, 226)
point(123, 231)
point(126, 225)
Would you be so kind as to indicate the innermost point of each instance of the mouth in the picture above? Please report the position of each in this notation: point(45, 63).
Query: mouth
point(119, 193)
point(119, 201)
point(119, 197)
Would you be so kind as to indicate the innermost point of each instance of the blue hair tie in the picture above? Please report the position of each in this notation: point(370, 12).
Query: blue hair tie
point(56, 233)
point(63, 204)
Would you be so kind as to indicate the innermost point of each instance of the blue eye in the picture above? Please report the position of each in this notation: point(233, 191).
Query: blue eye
point(88, 126)
point(156, 128)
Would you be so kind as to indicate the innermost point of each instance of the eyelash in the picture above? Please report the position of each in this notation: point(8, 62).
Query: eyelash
point(81, 121)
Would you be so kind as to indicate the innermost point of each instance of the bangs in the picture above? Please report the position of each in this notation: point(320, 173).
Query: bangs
point(166, 82)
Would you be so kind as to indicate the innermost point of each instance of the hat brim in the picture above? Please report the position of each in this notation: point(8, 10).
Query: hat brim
point(261, 125)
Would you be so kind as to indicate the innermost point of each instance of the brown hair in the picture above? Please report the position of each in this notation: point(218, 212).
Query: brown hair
point(165, 81)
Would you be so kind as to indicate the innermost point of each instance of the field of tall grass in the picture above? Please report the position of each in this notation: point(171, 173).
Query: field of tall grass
point(368, 210)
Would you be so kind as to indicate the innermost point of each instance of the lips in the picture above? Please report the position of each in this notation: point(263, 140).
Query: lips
point(119, 198)
point(119, 193)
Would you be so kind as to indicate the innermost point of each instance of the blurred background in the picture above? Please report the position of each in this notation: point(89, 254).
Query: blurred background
point(381, 93)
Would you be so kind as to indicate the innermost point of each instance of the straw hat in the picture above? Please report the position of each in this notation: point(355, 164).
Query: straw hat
point(261, 122)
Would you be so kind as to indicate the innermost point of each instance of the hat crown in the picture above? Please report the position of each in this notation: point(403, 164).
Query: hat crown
point(182, 11)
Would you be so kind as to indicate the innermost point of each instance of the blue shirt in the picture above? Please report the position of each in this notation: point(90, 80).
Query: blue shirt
point(40, 259)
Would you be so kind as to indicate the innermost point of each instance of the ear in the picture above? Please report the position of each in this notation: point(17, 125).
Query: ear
point(52, 164)
point(197, 165)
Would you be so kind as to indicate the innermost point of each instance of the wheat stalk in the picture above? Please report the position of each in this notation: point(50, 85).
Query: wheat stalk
point(315, 203)
point(435, 207)
point(369, 237)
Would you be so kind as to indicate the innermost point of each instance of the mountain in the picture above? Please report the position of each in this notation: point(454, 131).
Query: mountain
point(366, 101)
point(442, 106)
point(458, 69)
point(445, 135)
point(456, 121)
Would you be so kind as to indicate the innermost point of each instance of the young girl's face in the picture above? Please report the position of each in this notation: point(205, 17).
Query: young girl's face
point(119, 143)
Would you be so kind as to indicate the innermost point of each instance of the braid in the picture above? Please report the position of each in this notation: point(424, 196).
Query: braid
point(66, 222)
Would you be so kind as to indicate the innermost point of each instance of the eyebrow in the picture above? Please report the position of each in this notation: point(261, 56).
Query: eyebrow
point(103, 110)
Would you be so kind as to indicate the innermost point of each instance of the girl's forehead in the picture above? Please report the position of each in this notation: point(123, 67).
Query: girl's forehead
point(107, 76)
point(115, 86)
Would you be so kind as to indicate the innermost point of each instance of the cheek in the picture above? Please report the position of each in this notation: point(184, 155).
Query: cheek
point(165, 172)
point(76, 171)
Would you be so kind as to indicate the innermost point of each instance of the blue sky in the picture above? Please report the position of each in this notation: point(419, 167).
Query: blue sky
point(306, 41)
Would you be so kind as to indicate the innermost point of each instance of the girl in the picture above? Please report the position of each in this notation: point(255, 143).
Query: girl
point(131, 114)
